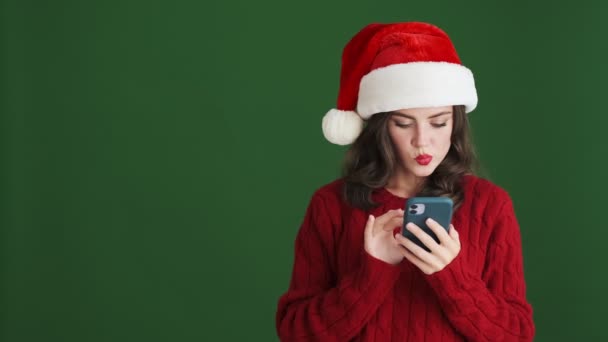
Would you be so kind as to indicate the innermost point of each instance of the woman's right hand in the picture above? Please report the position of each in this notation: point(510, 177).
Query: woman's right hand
point(379, 240)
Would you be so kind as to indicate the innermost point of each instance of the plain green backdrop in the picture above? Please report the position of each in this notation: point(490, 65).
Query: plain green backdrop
point(158, 157)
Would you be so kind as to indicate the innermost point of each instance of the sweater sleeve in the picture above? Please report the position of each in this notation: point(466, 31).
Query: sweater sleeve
point(317, 306)
point(493, 306)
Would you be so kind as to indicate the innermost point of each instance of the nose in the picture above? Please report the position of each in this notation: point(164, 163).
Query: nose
point(421, 136)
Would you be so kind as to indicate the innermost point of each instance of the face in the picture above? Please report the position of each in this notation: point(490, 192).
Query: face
point(422, 138)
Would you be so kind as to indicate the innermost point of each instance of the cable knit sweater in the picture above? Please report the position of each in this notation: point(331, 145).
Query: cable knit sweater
point(338, 292)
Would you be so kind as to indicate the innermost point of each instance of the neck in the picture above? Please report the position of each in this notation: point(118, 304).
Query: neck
point(405, 184)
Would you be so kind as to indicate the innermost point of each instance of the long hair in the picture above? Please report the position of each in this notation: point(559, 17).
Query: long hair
point(371, 160)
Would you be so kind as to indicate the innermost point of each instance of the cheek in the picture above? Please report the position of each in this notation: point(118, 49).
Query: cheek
point(445, 140)
point(400, 141)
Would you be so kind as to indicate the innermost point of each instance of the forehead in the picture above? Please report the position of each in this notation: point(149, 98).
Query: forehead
point(424, 113)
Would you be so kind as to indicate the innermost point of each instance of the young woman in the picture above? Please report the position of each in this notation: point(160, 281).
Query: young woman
point(403, 103)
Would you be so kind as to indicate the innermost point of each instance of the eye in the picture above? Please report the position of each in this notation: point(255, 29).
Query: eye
point(439, 124)
point(402, 125)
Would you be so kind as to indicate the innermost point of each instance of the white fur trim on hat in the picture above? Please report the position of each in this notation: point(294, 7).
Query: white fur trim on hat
point(341, 127)
point(416, 85)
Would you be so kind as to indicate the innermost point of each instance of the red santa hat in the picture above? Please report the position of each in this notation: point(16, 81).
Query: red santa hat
point(388, 67)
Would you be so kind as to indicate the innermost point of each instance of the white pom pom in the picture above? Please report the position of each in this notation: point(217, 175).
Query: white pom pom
point(342, 127)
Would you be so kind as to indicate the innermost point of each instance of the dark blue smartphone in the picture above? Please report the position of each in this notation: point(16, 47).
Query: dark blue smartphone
point(418, 209)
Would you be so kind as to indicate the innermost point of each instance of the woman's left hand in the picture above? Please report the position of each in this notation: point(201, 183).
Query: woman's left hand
point(441, 254)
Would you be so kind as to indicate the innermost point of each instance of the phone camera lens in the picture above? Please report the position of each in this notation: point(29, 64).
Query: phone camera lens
point(413, 206)
point(413, 211)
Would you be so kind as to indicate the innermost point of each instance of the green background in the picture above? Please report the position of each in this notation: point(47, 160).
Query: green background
point(158, 157)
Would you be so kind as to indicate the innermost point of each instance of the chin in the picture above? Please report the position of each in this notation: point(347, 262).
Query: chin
point(423, 171)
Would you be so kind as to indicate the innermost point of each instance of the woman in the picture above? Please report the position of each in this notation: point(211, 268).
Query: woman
point(355, 277)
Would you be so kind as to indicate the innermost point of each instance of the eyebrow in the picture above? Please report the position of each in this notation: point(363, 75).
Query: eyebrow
point(430, 117)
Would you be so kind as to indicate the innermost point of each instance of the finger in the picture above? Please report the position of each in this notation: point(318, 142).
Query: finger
point(369, 227)
point(387, 216)
point(454, 234)
point(395, 222)
point(425, 238)
point(417, 250)
point(416, 261)
point(441, 233)
point(382, 220)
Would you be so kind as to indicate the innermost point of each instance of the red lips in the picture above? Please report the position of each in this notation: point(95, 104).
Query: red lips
point(424, 159)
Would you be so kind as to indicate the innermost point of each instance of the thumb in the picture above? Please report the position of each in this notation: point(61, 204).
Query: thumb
point(369, 227)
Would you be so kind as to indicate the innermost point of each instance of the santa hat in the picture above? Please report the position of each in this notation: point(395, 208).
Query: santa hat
point(388, 67)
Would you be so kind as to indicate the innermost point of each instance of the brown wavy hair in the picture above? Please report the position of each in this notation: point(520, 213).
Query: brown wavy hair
point(370, 161)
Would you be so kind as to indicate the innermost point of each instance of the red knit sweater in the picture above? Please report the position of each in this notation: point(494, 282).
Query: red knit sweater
point(338, 292)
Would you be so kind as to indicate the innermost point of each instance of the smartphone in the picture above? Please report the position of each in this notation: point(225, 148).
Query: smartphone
point(418, 209)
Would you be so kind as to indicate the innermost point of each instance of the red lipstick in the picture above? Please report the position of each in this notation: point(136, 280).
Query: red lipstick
point(424, 159)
